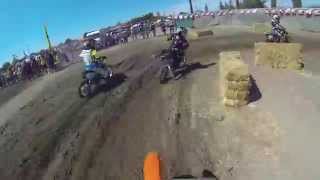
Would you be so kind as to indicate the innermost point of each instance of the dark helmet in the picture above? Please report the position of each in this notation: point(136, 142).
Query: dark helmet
point(179, 31)
point(89, 44)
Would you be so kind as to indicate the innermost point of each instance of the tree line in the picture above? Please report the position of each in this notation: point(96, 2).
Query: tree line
point(146, 17)
point(6, 65)
point(247, 4)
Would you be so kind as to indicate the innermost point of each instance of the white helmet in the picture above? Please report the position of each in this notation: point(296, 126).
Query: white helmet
point(276, 18)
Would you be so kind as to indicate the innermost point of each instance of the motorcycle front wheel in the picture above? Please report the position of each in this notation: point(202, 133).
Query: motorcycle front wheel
point(85, 90)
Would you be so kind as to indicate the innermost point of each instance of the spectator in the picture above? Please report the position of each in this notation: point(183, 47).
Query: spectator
point(50, 61)
point(147, 30)
point(142, 30)
point(43, 62)
point(172, 27)
point(153, 29)
point(163, 28)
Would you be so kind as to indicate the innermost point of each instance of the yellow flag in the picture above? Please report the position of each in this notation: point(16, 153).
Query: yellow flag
point(47, 37)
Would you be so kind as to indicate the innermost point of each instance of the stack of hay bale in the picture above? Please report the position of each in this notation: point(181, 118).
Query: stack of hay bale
point(235, 79)
point(279, 55)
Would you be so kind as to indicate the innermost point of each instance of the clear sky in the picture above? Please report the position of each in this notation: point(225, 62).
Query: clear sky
point(22, 20)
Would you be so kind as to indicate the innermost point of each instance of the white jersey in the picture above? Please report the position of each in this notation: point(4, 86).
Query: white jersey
point(86, 56)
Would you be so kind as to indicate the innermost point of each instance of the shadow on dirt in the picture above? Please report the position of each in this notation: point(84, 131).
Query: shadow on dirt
point(195, 66)
point(205, 174)
point(116, 81)
point(255, 93)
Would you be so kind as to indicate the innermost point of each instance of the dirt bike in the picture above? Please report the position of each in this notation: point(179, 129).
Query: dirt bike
point(167, 71)
point(94, 81)
point(284, 37)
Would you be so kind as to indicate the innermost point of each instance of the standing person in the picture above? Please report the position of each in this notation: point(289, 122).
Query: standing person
point(2, 82)
point(147, 30)
point(34, 66)
point(19, 71)
point(136, 31)
point(11, 74)
point(109, 40)
point(26, 69)
point(50, 61)
point(43, 62)
point(153, 29)
point(172, 27)
point(132, 32)
point(163, 28)
point(142, 30)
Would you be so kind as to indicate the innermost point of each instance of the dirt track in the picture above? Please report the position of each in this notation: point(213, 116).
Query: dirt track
point(56, 135)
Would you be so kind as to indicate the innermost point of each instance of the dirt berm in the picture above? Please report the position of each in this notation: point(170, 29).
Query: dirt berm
point(55, 135)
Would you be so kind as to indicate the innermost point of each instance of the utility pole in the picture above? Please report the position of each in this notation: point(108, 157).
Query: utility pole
point(191, 7)
point(297, 3)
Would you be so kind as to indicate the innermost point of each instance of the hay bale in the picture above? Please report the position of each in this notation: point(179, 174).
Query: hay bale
point(279, 55)
point(192, 34)
point(235, 79)
point(232, 68)
point(232, 94)
point(261, 28)
point(195, 34)
point(239, 74)
point(202, 33)
point(238, 85)
point(234, 103)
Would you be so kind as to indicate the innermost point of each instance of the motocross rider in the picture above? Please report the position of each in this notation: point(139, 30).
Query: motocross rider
point(277, 29)
point(91, 59)
point(178, 46)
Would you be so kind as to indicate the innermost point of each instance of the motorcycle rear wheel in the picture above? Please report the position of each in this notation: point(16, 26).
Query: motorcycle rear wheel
point(269, 38)
point(85, 90)
point(286, 39)
point(164, 75)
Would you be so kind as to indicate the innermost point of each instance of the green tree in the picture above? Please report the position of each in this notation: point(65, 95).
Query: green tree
point(67, 41)
point(221, 6)
point(273, 3)
point(297, 3)
point(253, 4)
point(146, 17)
point(237, 4)
point(14, 59)
point(206, 8)
point(226, 5)
point(231, 6)
point(6, 66)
